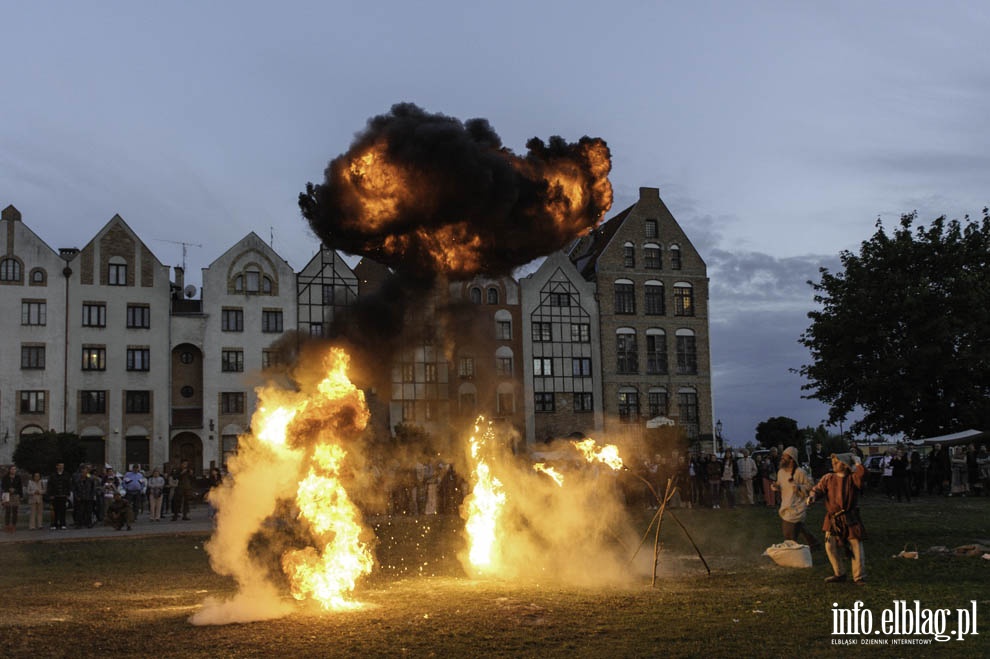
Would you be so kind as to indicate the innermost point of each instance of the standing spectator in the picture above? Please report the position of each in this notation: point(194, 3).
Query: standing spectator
point(899, 474)
point(747, 472)
point(819, 462)
point(216, 480)
point(171, 487)
point(111, 484)
point(134, 487)
point(983, 460)
point(696, 472)
point(973, 470)
point(843, 526)
point(82, 498)
point(96, 495)
point(887, 477)
point(59, 489)
point(938, 470)
point(960, 474)
point(714, 470)
point(794, 487)
point(13, 489)
point(36, 502)
point(156, 494)
point(768, 473)
point(730, 473)
point(184, 491)
point(916, 474)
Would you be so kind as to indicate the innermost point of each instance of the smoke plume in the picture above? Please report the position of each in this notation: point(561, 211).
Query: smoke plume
point(428, 194)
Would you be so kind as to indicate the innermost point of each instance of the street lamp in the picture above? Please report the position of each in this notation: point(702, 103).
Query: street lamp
point(718, 436)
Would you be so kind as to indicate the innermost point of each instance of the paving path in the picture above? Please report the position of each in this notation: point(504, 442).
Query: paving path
point(198, 523)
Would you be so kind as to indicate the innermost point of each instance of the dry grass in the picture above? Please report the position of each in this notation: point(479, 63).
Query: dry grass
point(134, 596)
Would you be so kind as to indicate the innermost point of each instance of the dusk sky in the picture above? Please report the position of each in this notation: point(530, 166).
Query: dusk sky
point(777, 132)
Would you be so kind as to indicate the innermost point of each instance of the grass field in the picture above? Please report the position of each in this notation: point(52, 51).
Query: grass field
point(133, 596)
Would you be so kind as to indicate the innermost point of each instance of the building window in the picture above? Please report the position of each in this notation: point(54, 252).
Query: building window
point(253, 282)
point(675, 257)
point(94, 358)
point(232, 361)
point(505, 404)
point(628, 406)
point(187, 391)
point(626, 360)
point(137, 402)
point(408, 372)
point(541, 332)
point(656, 352)
point(430, 410)
point(687, 402)
point(232, 402)
point(503, 330)
point(658, 403)
point(187, 357)
point(542, 366)
point(10, 270)
point(544, 401)
point(34, 312)
point(117, 274)
point(271, 320)
point(629, 255)
point(232, 320)
point(687, 354)
point(558, 299)
point(32, 402)
point(92, 402)
point(38, 276)
point(581, 367)
point(625, 297)
point(683, 299)
point(269, 358)
point(94, 314)
point(503, 366)
point(580, 333)
point(138, 359)
point(465, 367)
point(408, 410)
point(430, 372)
point(651, 229)
point(475, 295)
point(138, 316)
point(654, 299)
point(492, 295)
point(652, 257)
point(316, 329)
point(32, 357)
point(583, 402)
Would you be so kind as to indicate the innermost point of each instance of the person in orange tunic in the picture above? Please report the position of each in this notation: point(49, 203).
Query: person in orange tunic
point(843, 526)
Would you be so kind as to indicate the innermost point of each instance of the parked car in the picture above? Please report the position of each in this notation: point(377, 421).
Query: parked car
point(874, 470)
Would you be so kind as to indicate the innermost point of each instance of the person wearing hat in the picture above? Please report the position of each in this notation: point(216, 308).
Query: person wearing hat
point(794, 486)
point(843, 526)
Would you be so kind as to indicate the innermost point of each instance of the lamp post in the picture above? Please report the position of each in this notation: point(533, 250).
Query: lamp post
point(718, 436)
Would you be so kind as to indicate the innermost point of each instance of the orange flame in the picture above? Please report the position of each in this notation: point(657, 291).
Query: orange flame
point(483, 506)
point(608, 454)
point(557, 477)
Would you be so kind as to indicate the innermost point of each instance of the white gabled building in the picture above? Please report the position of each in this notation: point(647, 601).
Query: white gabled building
point(249, 304)
point(32, 293)
point(117, 348)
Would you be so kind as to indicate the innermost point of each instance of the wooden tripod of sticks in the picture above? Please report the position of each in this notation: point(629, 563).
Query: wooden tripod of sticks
point(658, 521)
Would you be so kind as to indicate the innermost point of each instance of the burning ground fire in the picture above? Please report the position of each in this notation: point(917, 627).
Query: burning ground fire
point(298, 448)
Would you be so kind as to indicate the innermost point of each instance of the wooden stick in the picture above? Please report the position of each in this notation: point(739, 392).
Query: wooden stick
point(684, 528)
point(668, 493)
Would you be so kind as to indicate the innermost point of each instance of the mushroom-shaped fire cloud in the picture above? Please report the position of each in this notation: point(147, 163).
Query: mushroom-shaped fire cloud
point(428, 194)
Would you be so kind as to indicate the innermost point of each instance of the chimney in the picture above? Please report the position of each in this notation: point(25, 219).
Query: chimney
point(180, 277)
point(10, 214)
point(649, 194)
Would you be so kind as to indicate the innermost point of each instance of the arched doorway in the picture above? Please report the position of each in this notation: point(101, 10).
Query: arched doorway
point(187, 446)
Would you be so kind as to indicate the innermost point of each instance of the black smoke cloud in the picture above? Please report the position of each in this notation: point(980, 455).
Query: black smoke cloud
point(440, 181)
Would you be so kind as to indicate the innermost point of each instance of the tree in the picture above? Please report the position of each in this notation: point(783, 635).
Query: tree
point(40, 452)
point(778, 430)
point(903, 335)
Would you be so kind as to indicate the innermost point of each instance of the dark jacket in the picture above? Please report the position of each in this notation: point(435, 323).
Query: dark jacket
point(13, 485)
point(59, 485)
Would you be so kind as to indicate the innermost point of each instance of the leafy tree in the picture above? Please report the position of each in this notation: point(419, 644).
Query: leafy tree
point(778, 430)
point(903, 335)
point(41, 452)
point(830, 443)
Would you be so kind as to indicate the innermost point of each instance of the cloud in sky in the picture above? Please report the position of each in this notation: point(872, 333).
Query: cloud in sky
point(776, 132)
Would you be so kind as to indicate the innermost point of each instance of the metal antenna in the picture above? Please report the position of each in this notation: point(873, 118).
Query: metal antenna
point(185, 246)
